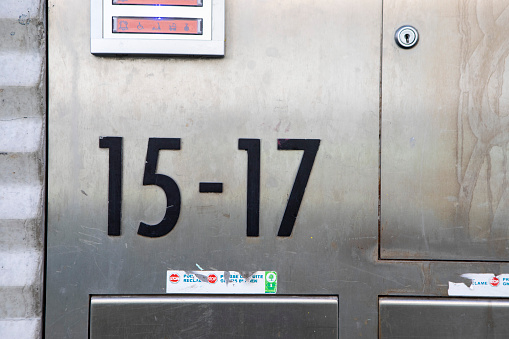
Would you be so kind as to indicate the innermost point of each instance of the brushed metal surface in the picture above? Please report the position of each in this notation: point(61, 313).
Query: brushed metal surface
point(301, 69)
point(291, 70)
point(445, 131)
point(443, 318)
point(213, 317)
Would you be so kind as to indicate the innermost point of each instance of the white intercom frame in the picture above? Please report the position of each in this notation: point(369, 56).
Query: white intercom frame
point(104, 41)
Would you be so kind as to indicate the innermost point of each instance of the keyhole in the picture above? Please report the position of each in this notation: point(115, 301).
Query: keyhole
point(406, 37)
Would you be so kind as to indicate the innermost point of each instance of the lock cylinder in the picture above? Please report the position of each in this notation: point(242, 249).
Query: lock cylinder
point(406, 37)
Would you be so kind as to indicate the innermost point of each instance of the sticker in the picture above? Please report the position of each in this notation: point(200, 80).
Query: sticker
point(483, 285)
point(174, 278)
point(494, 281)
point(221, 282)
point(270, 282)
point(212, 278)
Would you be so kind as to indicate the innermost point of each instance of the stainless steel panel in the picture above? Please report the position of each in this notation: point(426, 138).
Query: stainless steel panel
point(301, 69)
point(292, 69)
point(213, 317)
point(444, 192)
point(443, 318)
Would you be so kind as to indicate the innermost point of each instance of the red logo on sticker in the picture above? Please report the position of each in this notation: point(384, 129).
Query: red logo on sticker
point(174, 278)
point(212, 278)
point(494, 281)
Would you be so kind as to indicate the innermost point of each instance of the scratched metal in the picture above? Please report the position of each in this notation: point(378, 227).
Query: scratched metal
point(180, 316)
point(292, 69)
point(445, 131)
point(434, 318)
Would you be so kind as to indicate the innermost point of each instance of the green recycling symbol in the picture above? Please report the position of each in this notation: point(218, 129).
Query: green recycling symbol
point(270, 282)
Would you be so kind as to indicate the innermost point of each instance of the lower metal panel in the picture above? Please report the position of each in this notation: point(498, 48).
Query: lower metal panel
point(443, 318)
point(213, 317)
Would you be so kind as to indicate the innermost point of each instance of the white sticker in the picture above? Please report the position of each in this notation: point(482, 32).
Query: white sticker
point(221, 282)
point(483, 285)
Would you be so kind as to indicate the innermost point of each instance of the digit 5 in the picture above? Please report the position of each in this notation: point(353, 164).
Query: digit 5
point(169, 186)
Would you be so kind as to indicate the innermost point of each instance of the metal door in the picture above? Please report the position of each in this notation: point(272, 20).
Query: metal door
point(444, 134)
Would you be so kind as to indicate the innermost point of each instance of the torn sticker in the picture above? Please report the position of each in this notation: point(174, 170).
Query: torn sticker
point(221, 282)
point(483, 285)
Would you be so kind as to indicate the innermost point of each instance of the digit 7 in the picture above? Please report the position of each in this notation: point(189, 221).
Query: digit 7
point(310, 148)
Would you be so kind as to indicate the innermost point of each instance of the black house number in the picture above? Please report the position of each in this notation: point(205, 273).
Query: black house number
point(172, 191)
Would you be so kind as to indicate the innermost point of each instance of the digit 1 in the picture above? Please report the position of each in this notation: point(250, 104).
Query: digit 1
point(310, 148)
point(252, 146)
point(114, 144)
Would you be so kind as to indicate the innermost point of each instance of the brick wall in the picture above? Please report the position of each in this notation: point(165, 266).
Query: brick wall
point(22, 166)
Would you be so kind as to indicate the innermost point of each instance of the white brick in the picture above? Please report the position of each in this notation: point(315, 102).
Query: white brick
point(20, 135)
point(19, 201)
point(21, 235)
point(19, 268)
point(12, 9)
point(20, 69)
point(20, 329)
point(20, 302)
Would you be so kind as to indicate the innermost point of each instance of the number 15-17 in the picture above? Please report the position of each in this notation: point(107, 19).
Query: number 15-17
point(172, 191)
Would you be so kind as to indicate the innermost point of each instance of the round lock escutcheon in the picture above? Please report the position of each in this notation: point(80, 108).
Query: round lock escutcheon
point(406, 37)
